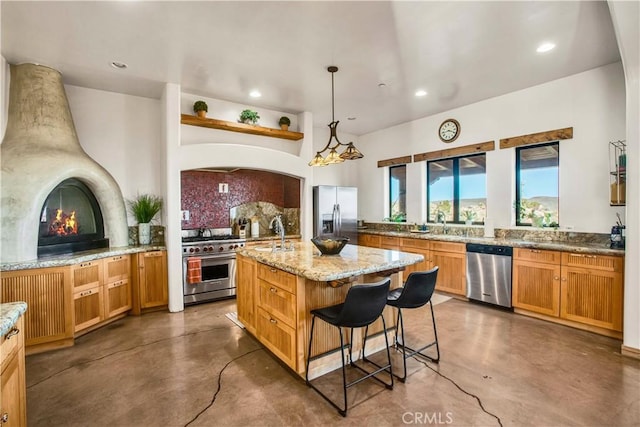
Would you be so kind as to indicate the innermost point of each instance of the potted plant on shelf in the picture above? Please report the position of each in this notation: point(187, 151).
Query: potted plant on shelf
point(468, 215)
point(144, 208)
point(249, 117)
point(200, 108)
point(284, 123)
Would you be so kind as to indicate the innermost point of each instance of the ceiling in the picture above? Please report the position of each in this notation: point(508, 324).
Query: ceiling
point(459, 52)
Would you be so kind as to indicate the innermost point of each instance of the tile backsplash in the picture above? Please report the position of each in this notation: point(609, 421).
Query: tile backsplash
point(210, 208)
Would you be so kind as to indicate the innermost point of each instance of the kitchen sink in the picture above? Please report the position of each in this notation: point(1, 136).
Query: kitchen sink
point(263, 249)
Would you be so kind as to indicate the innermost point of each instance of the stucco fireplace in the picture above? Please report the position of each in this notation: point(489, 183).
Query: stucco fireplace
point(55, 198)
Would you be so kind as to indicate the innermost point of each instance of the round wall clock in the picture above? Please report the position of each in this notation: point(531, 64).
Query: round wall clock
point(449, 130)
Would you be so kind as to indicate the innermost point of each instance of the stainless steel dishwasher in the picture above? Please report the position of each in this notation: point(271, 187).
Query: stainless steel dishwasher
point(489, 273)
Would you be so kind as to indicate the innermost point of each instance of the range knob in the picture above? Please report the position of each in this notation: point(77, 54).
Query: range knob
point(205, 249)
point(190, 249)
point(210, 248)
point(221, 249)
point(197, 249)
point(230, 247)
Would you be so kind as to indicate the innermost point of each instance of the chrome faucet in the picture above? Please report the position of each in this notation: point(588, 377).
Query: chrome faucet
point(441, 217)
point(279, 228)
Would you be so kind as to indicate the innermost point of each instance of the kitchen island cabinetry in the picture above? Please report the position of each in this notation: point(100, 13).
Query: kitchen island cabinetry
point(13, 399)
point(149, 281)
point(286, 286)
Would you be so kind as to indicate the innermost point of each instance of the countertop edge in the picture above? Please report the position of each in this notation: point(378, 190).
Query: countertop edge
point(71, 259)
point(9, 314)
point(515, 243)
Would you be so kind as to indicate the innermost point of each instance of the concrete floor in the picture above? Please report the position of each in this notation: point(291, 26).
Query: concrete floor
point(198, 368)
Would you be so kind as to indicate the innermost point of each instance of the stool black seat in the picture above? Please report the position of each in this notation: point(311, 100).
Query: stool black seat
point(362, 306)
point(416, 292)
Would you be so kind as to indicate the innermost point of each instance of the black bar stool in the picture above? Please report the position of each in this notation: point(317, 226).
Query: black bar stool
point(417, 291)
point(362, 306)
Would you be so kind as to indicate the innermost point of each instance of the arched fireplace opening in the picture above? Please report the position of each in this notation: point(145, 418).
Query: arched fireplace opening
point(70, 220)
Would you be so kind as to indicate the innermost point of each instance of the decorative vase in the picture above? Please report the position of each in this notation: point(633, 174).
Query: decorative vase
point(284, 127)
point(468, 222)
point(202, 114)
point(144, 233)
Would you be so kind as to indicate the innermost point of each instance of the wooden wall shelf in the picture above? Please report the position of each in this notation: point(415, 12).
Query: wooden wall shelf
point(187, 119)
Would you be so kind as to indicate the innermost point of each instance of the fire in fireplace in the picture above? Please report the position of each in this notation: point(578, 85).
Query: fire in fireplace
point(71, 220)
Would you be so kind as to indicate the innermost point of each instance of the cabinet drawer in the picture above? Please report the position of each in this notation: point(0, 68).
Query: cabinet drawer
point(116, 268)
point(415, 243)
point(278, 337)
point(11, 342)
point(117, 298)
point(278, 302)
point(437, 245)
point(525, 254)
point(370, 240)
point(86, 275)
point(389, 242)
point(596, 262)
point(88, 308)
point(286, 281)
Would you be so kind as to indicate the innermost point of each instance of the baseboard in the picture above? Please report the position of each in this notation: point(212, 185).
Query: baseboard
point(630, 351)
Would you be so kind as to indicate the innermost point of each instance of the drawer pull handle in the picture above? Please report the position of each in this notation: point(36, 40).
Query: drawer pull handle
point(85, 293)
point(564, 279)
point(577, 255)
point(273, 270)
point(556, 278)
point(272, 320)
point(12, 332)
point(535, 251)
point(273, 289)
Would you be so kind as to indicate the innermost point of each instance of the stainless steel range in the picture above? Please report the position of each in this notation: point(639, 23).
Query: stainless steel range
point(209, 267)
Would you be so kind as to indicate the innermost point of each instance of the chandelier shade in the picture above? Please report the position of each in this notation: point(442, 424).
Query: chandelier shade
point(350, 153)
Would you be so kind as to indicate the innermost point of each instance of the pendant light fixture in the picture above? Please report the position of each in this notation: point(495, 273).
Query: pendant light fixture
point(350, 153)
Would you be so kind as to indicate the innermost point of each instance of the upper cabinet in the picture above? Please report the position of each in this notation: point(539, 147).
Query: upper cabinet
point(187, 119)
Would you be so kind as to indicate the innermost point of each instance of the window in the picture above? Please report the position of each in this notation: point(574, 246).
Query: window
point(398, 193)
point(537, 185)
point(457, 189)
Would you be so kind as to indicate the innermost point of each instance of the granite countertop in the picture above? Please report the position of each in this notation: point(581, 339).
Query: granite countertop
point(70, 259)
point(9, 314)
point(592, 248)
point(305, 261)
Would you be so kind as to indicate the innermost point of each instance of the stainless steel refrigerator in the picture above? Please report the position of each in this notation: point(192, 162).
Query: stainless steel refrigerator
point(335, 212)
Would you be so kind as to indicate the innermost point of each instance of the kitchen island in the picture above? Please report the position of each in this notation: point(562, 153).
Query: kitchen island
point(277, 290)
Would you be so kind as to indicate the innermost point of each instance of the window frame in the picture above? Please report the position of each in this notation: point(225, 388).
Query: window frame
point(455, 171)
point(390, 200)
point(516, 203)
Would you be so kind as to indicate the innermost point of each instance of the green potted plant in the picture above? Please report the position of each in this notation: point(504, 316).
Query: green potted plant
point(284, 123)
point(249, 117)
point(144, 208)
point(468, 215)
point(200, 108)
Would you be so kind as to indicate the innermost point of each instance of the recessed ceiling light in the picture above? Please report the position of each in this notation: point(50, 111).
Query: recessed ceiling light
point(545, 47)
point(351, 118)
point(255, 94)
point(119, 65)
point(382, 84)
point(421, 92)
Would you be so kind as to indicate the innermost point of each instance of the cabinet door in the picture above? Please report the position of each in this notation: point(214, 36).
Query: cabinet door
point(277, 302)
point(536, 287)
point(452, 276)
point(246, 292)
point(116, 268)
point(152, 270)
point(88, 307)
point(86, 275)
point(117, 298)
point(277, 336)
point(591, 296)
point(390, 242)
point(10, 393)
point(416, 246)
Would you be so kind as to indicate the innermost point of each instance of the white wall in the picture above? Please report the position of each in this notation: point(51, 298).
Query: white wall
point(122, 133)
point(593, 103)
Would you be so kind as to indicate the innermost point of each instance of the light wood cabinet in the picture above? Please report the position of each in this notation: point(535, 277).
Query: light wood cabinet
point(48, 323)
point(13, 400)
point(371, 240)
point(149, 281)
point(417, 246)
point(592, 290)
point(451, 260)
point(86, 275)
point(390, 242)
point(276, 312)
point(536, 281)
point(88, 308)
point(246, 299)
point(116, 287)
